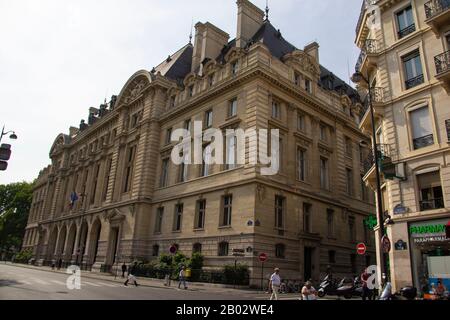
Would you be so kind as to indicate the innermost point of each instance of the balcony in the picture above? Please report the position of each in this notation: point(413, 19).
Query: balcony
point(378, 99)
point(385, 161)
point(368, 57)
point(442, 63)
point(406, 31)
point(414, 82)
point(431, 204)
point(437, 15)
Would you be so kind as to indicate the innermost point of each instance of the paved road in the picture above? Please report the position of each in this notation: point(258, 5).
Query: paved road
point(31, 284)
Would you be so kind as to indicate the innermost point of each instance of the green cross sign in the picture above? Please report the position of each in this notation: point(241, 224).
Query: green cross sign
point(371, 222)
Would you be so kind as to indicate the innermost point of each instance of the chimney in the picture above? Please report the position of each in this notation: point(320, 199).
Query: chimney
point(198, 46)
point(250, 19)
point(313, 50)
point(209, 42)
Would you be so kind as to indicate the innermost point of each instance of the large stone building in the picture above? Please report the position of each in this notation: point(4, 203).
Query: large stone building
point(405, 55)
point(134, 203)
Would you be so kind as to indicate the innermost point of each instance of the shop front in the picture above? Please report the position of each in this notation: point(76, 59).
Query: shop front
point(430, 254)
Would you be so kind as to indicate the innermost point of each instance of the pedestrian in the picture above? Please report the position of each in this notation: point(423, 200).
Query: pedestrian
point(124, 269)
point(274, 284)
point(309, 292)
point(182, 278)
point(131, 273)
point(367, 293)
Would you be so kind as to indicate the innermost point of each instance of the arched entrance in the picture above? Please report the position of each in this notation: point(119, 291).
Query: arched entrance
point(96, 229)
point(71, 242)
point(52, 243)
point(61, 241)
point(82, 242)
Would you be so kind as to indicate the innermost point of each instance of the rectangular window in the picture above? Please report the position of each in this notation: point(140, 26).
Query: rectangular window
point(297, 79)
point(307, 227)
point(351, 229)
point(183, 174)
point(211, 80)
point(232, 108)
point(129, 168)
point(95, 183)
point(207, 154)
point(178, 218)
point(324, 176)
point(301, 164)
point(231, 152)
point(172, 101)
point(348, 147)
point(301, 123)
point(201, 214)
point(412, 69)
point(164, 173)
point(276, 110)
point(191, 91)
point(430, 189)
point(159, 220)
point(234, 68)
point(107, 179)
point(279, 212)
point(227, 211)
point(308, 85)
point(331, 256)
point(330, 223)
point(349, 174)
point(323, 136)
point(168, 136)
point(405, 21)
point(422, 132)
point(364, 190)
point(208, 119)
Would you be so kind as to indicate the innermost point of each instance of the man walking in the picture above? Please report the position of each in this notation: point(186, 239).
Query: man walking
point(182, 278)
point(131, 276)
point(275, 283)
point(367, 292)
point(124, 269)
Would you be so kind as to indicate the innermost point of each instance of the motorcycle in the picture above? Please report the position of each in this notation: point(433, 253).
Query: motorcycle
point(347, 288)
point(328, 286)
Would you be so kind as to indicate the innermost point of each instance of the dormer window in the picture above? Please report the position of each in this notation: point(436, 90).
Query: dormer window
point(211, 80)
point(191, 91)
point(234, 68)
point(308, 85)
point(297, 79)
point(172, 102)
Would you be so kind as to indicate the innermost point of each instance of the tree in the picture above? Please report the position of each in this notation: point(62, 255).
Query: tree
point(15, 203)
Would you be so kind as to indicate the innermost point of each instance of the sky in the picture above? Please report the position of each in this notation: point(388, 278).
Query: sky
point(59, 58)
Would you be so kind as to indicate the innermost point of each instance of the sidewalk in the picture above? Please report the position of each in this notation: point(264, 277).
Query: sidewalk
point(146, 282)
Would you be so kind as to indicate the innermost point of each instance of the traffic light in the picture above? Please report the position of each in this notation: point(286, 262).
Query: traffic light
point(5, 154)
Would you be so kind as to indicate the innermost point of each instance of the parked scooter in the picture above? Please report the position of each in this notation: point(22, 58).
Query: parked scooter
point(347, 288)
point(328, 286)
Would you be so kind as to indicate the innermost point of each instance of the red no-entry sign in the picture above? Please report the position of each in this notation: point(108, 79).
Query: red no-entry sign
point(263, 257)
point(361, 249)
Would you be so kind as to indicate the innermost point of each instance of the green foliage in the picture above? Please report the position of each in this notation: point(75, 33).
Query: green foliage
point(15, 202)
point(24, 256)
point(238, 274)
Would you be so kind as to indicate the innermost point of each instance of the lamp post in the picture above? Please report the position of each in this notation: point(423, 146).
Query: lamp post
point(13, 135)
point(357, 78)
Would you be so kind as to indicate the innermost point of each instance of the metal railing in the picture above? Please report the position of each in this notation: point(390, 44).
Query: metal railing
point(384, 151)
point(411, 83)
point(423, 141)
point(442, 62)
point(378, 95)
point(431, 204)
point(371, 46)
point(408, 30)
point(436, 7)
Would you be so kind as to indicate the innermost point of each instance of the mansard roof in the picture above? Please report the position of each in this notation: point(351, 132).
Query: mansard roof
point(178, 65)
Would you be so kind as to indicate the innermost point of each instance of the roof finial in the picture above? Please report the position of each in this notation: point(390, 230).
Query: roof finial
point(267, 10)
point(190, 35)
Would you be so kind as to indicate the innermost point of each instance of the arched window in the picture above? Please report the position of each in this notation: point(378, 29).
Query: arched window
point(223, 249)
point(280, 251)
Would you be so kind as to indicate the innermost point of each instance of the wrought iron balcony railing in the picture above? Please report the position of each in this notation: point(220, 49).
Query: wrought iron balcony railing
point(408, 30)
point(411, 83)
point(431, 204)
point(378, 96)
point(370, 47)
point(423, 142)
point(436, 7)
point(384, 152)
point(442, 62)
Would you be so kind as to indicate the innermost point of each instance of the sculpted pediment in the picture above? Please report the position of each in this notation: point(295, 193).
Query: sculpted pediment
point(304, 61)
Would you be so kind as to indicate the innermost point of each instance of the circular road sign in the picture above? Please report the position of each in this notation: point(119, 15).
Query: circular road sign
point(173, 249)
point(263, 257)
point(361, 249)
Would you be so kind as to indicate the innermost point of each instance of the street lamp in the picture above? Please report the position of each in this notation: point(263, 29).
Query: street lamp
point(13, 135)
point(358, 77)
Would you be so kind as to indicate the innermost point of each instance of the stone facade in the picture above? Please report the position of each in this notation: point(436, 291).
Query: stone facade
point(405, 61)
point(130, 197)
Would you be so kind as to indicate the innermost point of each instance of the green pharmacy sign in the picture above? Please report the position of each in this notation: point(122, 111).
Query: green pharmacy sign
point(371, 222)
point(427, 229)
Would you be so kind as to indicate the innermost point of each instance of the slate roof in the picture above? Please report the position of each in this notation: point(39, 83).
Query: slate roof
point(179, 64)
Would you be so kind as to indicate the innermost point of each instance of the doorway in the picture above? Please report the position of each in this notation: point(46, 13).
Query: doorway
point(113, 244)
point(308, 263)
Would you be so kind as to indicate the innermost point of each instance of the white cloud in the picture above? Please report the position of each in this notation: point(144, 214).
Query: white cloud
point(58, 58)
